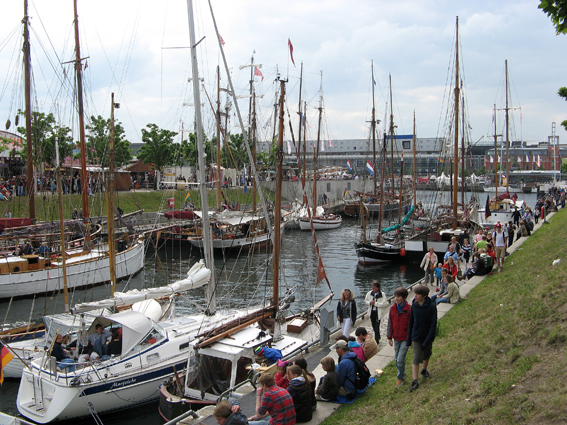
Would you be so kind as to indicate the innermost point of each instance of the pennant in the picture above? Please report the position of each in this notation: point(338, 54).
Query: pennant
point(348, 165)
point(330, 143)
point(290, 50)
point(322, 146)
point(369, 167)
point(538, 161)
point(258, 72)
point(221, 40)
point(5, 357)
point(86, 65)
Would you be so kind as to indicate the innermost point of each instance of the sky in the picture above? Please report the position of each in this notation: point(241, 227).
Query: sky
point(138, 49)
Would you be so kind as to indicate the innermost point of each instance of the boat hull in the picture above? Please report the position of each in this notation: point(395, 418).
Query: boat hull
point(320, 223)
point(84, 270)
point(373, 253)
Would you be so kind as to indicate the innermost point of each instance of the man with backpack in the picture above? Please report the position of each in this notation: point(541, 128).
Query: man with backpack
point(353, 373)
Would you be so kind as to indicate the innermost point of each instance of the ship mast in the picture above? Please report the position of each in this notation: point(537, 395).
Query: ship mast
point(456, 147)
point(84, 182)
point(495, 155)
point(278, 200)
point(29, 141)
point(316, 149)
point(507, 132)
point(373, 127)
point(110, 190)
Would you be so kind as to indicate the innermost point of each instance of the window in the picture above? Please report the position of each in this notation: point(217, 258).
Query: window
point(328, 187)
point(406, 144)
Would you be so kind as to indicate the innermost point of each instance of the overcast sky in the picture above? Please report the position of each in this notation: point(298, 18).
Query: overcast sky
point(138, 50)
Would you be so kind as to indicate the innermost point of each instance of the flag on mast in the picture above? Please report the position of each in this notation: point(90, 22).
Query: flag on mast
point(348, 165)
point(369, 167)
point(258, 72)
point(5, 357)
point(538, 161)
point(290, 50)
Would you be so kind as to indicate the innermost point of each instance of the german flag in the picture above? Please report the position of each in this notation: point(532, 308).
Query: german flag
point(5, 357)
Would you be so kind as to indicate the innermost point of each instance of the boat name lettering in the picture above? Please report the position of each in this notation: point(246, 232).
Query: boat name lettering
point(123, 383)
point(127, 365)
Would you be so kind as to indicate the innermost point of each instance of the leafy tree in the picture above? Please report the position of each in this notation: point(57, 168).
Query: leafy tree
point(482, 171)
point(564, 166)
point(269, 157)
point(563, 93)
point(557, 11)
point(45, 132)
point(186, 152)
point(98, 142)
point(158, 148)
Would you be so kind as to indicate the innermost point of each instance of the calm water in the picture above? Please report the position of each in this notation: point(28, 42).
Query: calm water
point(241, 280)
point(244, 280)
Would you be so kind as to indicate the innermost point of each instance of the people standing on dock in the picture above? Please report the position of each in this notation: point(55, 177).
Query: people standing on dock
point(397, 333)
point(516, 216)
point(428, 265)
point(511, 232)
point(466, 252)
point(500, 241)
point(346, 311)
point(421, 332)
point(376, 300)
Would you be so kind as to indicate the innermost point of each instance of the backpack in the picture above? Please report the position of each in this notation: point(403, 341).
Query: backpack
point(489, 262)
point(362, 374)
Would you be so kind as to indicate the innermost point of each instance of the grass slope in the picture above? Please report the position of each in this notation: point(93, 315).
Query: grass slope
point(500, 356)
point(47, 207)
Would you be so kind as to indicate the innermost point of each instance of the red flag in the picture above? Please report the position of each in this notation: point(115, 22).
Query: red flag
point(5, 357)
point(258, 72)
point(290, 50)
point(221, 40)
point(86, 65)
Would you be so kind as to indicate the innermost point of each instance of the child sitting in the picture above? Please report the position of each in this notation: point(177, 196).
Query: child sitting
point(328, 388)
point(356, 347)
point(281, 375)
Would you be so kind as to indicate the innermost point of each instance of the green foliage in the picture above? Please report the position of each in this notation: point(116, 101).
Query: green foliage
point(158, 148)
point(45, 133)
point(269, 158)
point(185, 153)
point(563, 93)
point(98, 143)
point(482, 171)
point(540, 168)
point(564, 166)
point(557, 11)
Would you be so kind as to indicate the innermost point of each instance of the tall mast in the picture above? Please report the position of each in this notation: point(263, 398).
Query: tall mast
point(456, 148)
point(252, 126)
point(62, 227)
point(301, 124)
point(210, 292)
point(110, 190)
point(382, 171)
point(84, 182)
point(414, 163)
point(278, 200)
point(463, 152)
point(495, 154)
point(392, 138)
point(304, 175)
point(373, 127)
point(219, 201)
point(316, 150)
point(29, 141)
point(507, 132)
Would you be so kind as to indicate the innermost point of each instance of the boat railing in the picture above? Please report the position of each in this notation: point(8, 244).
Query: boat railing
point(252, 381)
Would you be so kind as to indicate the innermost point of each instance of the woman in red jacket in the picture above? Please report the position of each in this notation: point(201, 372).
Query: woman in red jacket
point(451, 267)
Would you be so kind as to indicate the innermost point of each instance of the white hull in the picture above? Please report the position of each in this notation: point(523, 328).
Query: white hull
point(114, 384)
point(83, 270)
point(320, 223)
point(233, 243)
point(495, 217)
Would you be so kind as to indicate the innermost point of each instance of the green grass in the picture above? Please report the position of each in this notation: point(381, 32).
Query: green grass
point(500, 356)
point(47, 206)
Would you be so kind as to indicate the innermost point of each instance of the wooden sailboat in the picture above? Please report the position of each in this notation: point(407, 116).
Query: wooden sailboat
point(319, 221)
point(441, 229)
point(380, 250)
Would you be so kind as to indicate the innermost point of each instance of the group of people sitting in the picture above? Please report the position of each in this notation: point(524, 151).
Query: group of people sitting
point(101, 344)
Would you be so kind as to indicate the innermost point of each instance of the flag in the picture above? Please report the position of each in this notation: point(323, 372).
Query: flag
point(538, 161)
point(288, 147)
point(514, 197)
point(373, 80)
point(520, 118)
point(527, 158)
point(5, 357)
point(187, 198)
point(348, 165)
point(346, 193)
point(290, 50)
point(499, 158)
point(519, 159)
point(258, 72)
point(86, 65)
point(322, 146)
point(221, 40)
point(369, 167)
point(441, 160)
point(534, 160)
point(491, 159)
point(487, 212)
point(330, 144)
point(244, 176)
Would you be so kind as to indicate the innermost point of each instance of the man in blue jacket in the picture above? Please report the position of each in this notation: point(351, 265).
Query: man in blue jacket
point(421, 332)
point(347, 370)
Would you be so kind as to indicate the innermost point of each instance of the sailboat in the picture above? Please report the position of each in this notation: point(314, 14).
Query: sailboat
point(457, 222)
point(500, 208)
point(316, 217)
point(381, 251)
point(218, 360)
point(87, 261)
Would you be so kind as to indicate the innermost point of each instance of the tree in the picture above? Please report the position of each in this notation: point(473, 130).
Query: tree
point(98, 142)
point(186, 152)
point(269, 157)
point(563, 93)
point(45, 132)
point(158, 148)
point(557, 11)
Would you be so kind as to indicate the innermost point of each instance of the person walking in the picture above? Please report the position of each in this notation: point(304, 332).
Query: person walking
point(428, 265)
point(376, 300)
